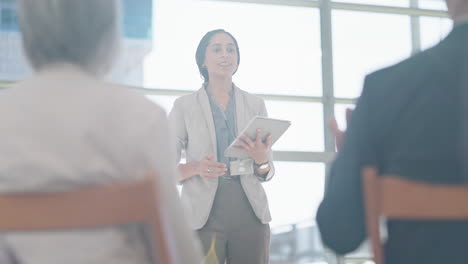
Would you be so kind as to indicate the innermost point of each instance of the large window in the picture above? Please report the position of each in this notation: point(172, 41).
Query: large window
point(306, 131)
point(8, 17)
point(274, 58)
point(296, 192)
point(364, 42)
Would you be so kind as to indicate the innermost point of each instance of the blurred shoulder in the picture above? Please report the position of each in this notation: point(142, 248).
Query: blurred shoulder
point(429, 64)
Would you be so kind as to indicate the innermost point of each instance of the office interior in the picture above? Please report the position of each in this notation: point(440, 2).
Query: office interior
point(306, 58)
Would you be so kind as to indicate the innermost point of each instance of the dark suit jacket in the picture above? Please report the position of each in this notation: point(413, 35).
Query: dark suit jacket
point(408, 121)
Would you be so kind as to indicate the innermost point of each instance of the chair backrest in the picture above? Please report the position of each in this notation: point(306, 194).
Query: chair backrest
point(397, 198)
point(101, 206)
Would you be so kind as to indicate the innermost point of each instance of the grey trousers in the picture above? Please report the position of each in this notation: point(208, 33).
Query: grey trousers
point(240, 236)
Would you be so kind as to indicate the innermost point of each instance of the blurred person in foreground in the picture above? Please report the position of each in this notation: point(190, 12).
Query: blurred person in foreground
point(411, 120)
point(64, 128)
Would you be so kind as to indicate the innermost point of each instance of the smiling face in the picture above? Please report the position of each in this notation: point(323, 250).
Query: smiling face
point(221, 58)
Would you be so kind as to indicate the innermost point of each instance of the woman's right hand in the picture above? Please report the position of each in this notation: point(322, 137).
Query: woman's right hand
point(210, 169)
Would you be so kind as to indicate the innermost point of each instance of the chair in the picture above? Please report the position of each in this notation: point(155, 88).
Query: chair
point(397, 198)
point(115, 204)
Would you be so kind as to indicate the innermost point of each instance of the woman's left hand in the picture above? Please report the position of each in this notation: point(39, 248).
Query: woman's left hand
point(257, 149)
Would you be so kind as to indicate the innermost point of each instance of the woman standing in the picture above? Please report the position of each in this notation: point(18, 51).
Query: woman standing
point(225, 195)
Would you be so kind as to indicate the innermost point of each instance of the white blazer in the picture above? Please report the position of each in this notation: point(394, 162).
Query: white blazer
point(62, 130)
point(193, 125)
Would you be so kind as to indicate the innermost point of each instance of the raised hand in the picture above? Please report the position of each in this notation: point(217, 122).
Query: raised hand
point(339, 134)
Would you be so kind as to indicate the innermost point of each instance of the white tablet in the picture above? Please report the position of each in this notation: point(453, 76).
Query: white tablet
point(275, 127)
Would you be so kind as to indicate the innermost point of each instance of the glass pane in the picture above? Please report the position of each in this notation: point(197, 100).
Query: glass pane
point(433, 4)
point(165, 101)
point(298, 183)
point(8, 16)
point(279, 45)
point(294, 195)
point(399, 3)
point(306, 130)
point(137, 18)
point(433, 30)
point(365, 42)
point(136, 26)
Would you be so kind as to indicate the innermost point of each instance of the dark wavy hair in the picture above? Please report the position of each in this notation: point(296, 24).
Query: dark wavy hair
point(201, 51)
